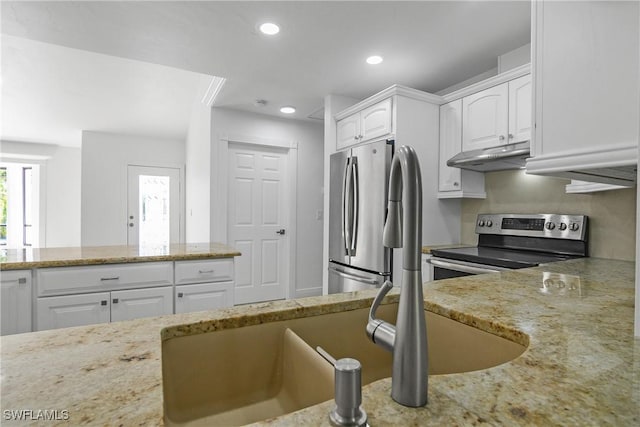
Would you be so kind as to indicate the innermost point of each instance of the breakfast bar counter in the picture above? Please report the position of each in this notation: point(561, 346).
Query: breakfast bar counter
point(581, 367)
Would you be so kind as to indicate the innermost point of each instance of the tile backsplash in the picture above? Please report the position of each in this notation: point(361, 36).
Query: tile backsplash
point(612, 214)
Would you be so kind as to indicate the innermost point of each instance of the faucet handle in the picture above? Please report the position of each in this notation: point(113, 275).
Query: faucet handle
point(379, 331)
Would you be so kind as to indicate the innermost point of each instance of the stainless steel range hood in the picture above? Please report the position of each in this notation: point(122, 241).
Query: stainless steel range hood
point(507, 156)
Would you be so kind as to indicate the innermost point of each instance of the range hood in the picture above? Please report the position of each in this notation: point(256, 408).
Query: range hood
point(503, 157)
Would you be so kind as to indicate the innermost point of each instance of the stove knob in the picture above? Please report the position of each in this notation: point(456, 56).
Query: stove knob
point(481, 223)
point(550, 226)
point(574, 226)
point(489, 223)
point(563, 226)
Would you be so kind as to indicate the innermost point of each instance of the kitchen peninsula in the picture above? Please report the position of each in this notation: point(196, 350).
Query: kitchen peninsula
point(53, 288)
point(581, 367)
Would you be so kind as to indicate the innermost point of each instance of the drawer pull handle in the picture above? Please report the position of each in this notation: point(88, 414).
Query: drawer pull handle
point(180, 294)
point(115, 300)
point(22, 280)
point(104, 279)
point(206, 271)
point(103, 302)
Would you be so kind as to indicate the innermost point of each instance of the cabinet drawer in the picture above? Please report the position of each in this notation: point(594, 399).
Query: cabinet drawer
point(219, 270)
point(74, 280)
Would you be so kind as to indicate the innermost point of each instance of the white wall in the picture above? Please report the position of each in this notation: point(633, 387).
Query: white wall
point(105, 158)
point(63, 190)
point(59, 189)
point(198, 173)
point(308, 136)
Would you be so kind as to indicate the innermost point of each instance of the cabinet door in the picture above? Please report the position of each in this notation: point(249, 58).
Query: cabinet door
point(205, 296)
point(376, 121)
point(520, 109)
point(450, 145)
point(348, 131)
point(137, 303)
point(73, 310)
point(15, 301)
point(484, 118)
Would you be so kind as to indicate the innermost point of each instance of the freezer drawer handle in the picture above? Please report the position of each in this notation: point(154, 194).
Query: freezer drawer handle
point(355, 277)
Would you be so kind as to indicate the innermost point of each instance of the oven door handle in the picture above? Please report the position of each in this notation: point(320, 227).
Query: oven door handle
point(463, 268)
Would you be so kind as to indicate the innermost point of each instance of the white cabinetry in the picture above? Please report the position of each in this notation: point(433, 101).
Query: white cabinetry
point(485, 118)
point(455, 182)
point(585, 67)
point(520, 109)
point(370, 123)
point(427, 276)
point(204, 285)
point(15, 301)
point(498, 115)
point(75, 296)
point(137, 303)
point(73, 310)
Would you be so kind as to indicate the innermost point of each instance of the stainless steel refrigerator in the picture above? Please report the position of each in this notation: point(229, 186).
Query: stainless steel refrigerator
point(359, 179)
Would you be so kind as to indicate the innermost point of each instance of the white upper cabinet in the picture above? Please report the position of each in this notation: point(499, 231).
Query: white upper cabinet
point(484, 118)
point(370, 123)
point(585, 77)
point(376, 120)
point(348, 131)
point(520, 109)
point(450, 145)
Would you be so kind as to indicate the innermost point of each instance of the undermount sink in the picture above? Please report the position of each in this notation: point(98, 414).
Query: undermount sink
point(243, 375)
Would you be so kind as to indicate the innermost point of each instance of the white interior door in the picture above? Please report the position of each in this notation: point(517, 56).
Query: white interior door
point(153, 206)
point(257, 221)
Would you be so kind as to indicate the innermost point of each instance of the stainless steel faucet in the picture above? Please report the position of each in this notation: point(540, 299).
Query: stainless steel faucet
point(408, 339)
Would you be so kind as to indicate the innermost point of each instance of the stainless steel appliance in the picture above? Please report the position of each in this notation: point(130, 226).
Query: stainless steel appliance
point(359, 179)
point(511, 241)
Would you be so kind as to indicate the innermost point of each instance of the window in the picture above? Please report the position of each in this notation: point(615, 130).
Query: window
point(18, 205)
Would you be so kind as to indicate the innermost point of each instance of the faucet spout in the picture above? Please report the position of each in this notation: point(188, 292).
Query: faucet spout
point(407, 340)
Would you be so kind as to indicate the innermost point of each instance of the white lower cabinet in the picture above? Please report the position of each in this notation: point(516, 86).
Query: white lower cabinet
point(137, 303)
point(103, 307)
point(73, 310)
point(204, 296)
point(15, 302)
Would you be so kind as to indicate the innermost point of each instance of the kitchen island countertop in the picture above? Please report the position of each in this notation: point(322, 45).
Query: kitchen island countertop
point(582, 366)
point(18, 259)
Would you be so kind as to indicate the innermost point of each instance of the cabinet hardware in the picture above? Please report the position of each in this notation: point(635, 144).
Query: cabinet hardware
point(501, 137)
point(456, 184)
point(104, 279)
point(510, 136)
point(180, 294)
point(115, 300)
point(280, 232)
point(206, 271)
point(130, 224)
point(22, 280)
point(103, 302)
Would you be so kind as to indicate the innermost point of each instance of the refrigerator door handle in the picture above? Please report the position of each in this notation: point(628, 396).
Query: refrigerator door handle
point(346, 197)
point(356, 204)
point(346, 275)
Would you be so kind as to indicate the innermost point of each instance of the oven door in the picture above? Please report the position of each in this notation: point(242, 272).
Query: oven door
point(446, 268)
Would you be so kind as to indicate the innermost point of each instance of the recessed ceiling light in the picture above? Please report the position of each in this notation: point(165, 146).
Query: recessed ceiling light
point(288, 110)
point(374, 60)
point(269, 28)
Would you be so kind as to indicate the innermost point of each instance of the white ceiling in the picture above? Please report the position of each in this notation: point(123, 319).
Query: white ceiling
point(320, 50)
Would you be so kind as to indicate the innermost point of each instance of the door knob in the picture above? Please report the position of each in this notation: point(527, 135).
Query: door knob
point(281, 232)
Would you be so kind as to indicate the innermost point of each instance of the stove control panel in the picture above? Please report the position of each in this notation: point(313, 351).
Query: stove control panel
point(556, 226)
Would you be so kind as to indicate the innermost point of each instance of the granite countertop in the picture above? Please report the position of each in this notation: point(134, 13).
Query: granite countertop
point(16, 259)
point(582, 366)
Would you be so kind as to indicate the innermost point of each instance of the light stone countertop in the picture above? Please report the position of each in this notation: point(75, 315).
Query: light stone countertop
point(17, 259)
point(582, 366)
point(428, 248)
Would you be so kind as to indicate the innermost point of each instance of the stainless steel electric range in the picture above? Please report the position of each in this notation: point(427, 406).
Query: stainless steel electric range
point(511, 241)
